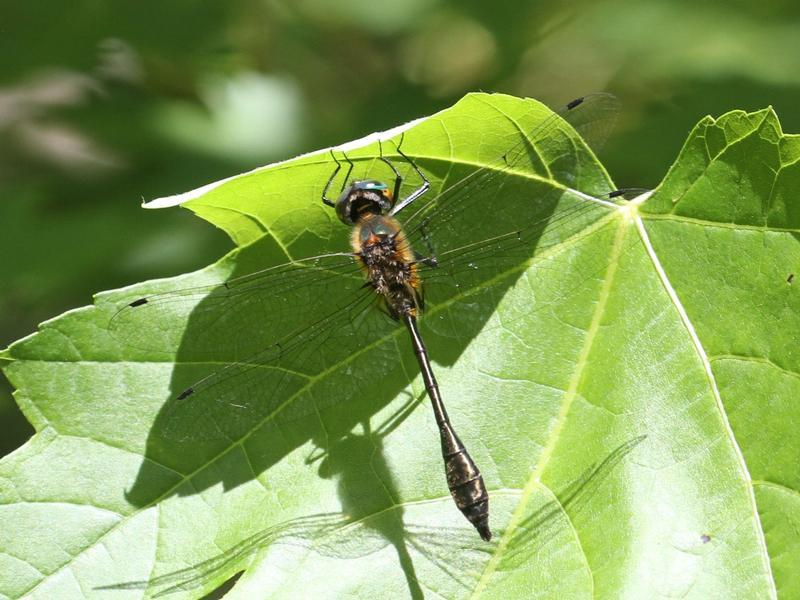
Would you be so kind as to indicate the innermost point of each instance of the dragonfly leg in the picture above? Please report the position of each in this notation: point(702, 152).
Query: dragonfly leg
point(400, 204)
point(398, 179)
point(335, 172)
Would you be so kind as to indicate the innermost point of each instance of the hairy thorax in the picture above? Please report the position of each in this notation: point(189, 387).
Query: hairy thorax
point(388, 263)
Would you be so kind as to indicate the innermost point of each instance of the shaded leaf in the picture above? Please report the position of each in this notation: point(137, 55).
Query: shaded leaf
point(668, 317)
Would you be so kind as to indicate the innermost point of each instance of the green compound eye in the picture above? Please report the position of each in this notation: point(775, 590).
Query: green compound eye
point(374, 185)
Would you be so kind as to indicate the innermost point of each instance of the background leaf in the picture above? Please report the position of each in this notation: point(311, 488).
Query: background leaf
point(614, 395)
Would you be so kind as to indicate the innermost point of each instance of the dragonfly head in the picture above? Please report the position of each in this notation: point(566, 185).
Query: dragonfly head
point(364, 197)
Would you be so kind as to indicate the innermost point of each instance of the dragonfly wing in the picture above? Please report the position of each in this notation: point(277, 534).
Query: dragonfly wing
point(236, 318)
point(235, 399)
point(520, 187)
point(593, 117)
point(244, 346)
point(542, 192)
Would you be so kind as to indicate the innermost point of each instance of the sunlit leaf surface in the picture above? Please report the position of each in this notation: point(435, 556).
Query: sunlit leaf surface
point(628, 392)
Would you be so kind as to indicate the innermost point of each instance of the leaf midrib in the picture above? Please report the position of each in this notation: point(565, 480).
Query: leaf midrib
point(569, 396)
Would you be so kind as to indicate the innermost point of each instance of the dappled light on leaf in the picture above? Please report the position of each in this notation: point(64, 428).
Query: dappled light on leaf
point(621, 371)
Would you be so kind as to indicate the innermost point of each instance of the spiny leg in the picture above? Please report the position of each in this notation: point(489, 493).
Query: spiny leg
point(336, 170)
point(398, 179)
point(400, 204)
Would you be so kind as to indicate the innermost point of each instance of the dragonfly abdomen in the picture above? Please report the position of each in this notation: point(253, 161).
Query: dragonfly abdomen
point(465, 482)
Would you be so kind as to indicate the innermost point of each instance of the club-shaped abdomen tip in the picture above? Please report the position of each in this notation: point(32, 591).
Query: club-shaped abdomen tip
point(484, 532)
point(478, 515)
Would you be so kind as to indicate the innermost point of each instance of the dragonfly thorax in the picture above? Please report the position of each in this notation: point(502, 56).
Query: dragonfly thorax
point(364, 197)
point(388, 263)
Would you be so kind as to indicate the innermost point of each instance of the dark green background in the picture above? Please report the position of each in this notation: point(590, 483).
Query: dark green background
point(104, 104)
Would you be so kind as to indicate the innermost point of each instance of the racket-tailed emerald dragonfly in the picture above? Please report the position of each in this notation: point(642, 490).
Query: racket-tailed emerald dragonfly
point(408, 251)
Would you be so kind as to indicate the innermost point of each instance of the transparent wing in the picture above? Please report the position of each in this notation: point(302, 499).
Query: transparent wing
point(239, 397)
point(300, 531)
point(236, 317)
point(248, 346)
point(544, 191)
point(547, 152)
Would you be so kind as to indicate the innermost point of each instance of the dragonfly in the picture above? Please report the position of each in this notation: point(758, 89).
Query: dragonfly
point(408, 252)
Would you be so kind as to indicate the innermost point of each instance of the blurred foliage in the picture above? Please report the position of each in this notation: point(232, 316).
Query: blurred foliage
point(105, 104)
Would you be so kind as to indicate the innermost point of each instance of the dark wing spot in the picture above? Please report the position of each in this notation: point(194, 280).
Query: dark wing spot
point(575, 103)
point(185, 393)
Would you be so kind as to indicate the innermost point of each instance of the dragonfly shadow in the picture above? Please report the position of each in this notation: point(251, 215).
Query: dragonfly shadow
point(270, 359)
point(366, 486)
point(456, 552)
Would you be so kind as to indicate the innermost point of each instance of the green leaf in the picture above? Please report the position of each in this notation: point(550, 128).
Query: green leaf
point(627, 392)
